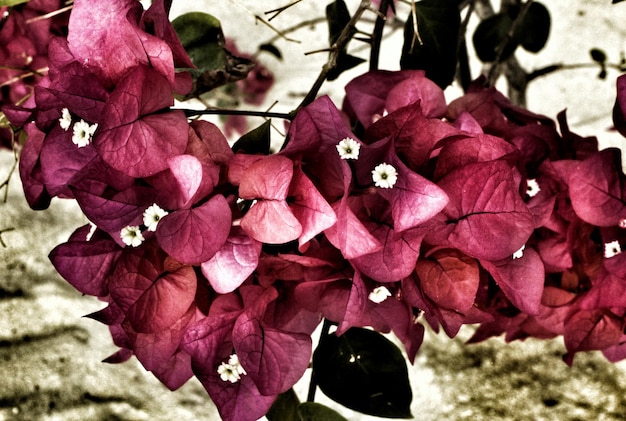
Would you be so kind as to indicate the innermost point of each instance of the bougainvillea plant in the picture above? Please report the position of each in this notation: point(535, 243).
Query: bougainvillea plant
point(389, 211)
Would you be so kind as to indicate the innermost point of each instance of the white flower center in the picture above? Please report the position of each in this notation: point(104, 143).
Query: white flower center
point(232, 370)
point(131, 236)
point(532, 187)
point(152, 216)
point(379, 294)
point(612, 249)
point(384, 176)
point(622, 223)
point(519, 253)
point(348, 148)
point(83, 133)
point(66, 119)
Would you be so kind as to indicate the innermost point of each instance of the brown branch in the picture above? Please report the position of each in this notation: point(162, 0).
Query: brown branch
point(337, 47)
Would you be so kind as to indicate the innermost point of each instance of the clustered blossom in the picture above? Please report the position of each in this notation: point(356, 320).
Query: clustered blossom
point(472, 212)
point(24, 38)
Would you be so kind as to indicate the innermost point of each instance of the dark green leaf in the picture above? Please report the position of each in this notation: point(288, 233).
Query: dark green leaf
point(312, 411)
point(271, 48)
point(598, 55)
point(438, 23)
point(285, 407)
point(489, 34)
point(344, 62)
point(256, 141)
point(364, 371)
point(535, 28)
point(338, 17)
point(201, 35)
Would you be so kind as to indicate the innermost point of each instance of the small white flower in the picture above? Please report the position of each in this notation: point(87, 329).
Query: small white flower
point(384, 176)
point(612, 249)
point(131, 236)
point(348, 148)
point(379, 294)
point(83, 132)
point(233, 361)
point(532, 187)
point(519, 253)
point(152, 216)
point(228, 373)
point(232, 370)
point(66, 119)
point(622, 223)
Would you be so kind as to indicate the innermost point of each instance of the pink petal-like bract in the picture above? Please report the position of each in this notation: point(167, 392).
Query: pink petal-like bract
point(520, 279)
point(274, 359)
point(268, 178)
point(309, 207)
point(113, 44)
point(449, 278)
point(597, 189)
point(486, 217)
point(153, 296)
point(137, 137)
point(193, 236)
point(233, 263)
point(86, 264)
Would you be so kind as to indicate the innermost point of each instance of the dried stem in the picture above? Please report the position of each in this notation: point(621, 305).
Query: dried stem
point(2, 232)
point(250, 113)
point(494, 72)
point(338, 46)
point(280, 10)
point(377, 34)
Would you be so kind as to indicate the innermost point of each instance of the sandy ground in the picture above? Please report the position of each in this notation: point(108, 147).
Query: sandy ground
point(50, 355)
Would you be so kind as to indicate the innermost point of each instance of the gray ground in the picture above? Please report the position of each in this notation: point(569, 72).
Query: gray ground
point(50, 356)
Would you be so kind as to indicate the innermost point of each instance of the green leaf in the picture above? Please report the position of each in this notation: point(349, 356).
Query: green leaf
point(338, 17)
point(598, 55)
point(202, 37)
point(364, 371)
point(535, 28)
point(12, 2)
point(256, 141)
point(312, 411)
point(489, 34)
point(531, 33)
point(285, 407)
point(438, 23)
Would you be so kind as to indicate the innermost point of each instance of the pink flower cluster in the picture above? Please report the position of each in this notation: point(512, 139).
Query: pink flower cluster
point(397, 209)
point(24, 33)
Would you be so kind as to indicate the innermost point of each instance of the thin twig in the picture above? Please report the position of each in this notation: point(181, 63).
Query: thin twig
point(280, 10)
point(258, 18)
point(494, 72)
point(337, 47)
point(38, 72)
point(377, 34)
point(313, 383)
point(2, 232)
point(50, 15)
point(416, 33)
point(250, 113)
